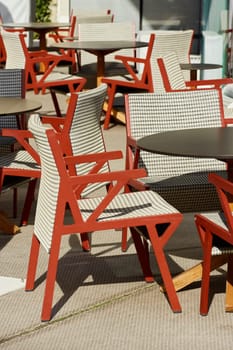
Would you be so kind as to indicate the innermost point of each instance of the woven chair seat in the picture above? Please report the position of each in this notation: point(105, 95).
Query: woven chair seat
point(130, 205)
point(18, 160)
point(187, 192)
point(219, 245)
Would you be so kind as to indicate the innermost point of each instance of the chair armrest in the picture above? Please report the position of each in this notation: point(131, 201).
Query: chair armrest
point(130, 59)
point(123, 176)
point(94, 157)
point(39, 53)
point(56, 122)
point(138, 185)
point(225, 192)
point(22, 137)
point(220, 182)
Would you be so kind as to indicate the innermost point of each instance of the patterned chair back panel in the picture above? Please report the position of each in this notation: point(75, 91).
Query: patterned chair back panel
point(170, 41)
point(12, 84)
point(153, 113)
point(108, 32)
point(86, 132)
point(14, 50)
point(49, 184)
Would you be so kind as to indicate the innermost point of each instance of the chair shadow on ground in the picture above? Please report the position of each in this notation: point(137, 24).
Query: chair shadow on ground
point(5, 239)
point(77, 268)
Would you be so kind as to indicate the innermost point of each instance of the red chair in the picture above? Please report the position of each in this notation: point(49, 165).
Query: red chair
point(60, 190)
point(131, 83)
point(40, 68)
point(216, 234)
point(60, 35)
point(161, 43)
point(173, 77)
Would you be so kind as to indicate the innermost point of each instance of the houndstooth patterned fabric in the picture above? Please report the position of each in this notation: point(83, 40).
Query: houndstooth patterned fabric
point(11, 85)
point(16, 59)
point(18, 160)
point(103, 18)
point(174, 72)
point(15, 54)
point(165, 42)
point(108, 32)
point(183, 181)
point(86, 133)
point(130, 205)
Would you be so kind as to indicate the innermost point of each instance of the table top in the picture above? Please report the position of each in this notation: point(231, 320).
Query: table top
point(199, 66)
point(36, 25)
point(101, 45)
point(201, 142)
point(17, 105)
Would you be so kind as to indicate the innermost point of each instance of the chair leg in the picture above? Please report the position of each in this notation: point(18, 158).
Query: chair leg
point(142, 255)
point(33, 259)
point(164, 269)
point(85, 242)
point(124, 239)
point(109, 103)
point(15, 202)
point(204, 302)
point(55, 102)
point(28, 202)
point(50, 280)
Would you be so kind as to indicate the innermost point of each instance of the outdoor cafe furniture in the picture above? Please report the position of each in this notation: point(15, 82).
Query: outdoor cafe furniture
point(161, 43)
point(100, 49)
point(72, 55)
point(18, 56)
point(173, 79)
point(114, 210)
point(41, 28)
point(80, 133)
point(215, 228)
point(182, 181)
point(13, 107)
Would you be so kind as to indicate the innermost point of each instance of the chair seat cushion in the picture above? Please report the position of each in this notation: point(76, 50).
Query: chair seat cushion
point(220, 246)
point(188, 192)
point(129, 205)
point(18, 160)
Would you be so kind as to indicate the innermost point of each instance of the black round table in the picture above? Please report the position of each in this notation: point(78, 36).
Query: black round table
point(100, 49)
point(194, 67)
point(42, 28)
point(17, 105)
point(216, 142)
point(201, 142)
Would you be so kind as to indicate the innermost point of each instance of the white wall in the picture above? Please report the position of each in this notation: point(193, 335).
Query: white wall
point(15, 10)
point(123, 10)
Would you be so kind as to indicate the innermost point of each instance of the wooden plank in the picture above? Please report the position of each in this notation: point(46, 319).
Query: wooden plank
point(195, 273)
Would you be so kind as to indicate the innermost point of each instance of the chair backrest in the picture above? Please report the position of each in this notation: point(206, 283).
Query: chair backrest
point(153, 113)
point(82, 132)
point(49, 184)
point(108, 32)
point(85, 137)
point(171, 72)
point(104, 18)
point(14, 51)
point(170, 41)
point(12, 84)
